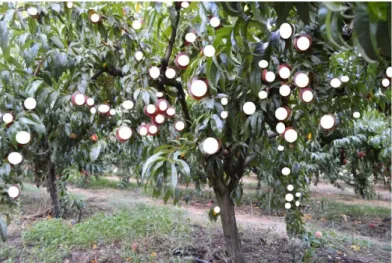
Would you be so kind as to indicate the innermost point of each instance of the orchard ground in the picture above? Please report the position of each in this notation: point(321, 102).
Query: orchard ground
point(354, 230)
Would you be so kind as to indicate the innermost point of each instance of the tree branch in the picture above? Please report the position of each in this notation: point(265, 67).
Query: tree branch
point(111, 71)
point(184, 106)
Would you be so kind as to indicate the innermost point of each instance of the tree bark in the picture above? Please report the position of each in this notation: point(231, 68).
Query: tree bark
point(229, 224)
point(52, 189)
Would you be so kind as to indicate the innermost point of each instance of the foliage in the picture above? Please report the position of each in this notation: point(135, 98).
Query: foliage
point(61, 52)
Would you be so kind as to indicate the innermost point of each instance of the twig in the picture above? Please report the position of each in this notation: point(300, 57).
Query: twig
point(37, 69)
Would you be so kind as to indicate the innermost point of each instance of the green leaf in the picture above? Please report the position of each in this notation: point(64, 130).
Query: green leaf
point(149, 161)
point(174, 178)
point(95, 151)
point(365, 34)
point(56, 40)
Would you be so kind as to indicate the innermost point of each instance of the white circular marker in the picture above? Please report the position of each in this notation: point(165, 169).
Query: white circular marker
point(93, 110)
point(285, 31)
point(183, 60)
point(287, 205)
point(280, 127)
point(284, 72)
point(297, 203)
point(335, 83)
point(159, 94)
point(95, 18)
point(90, 102)
point(199, 88)
point(217, 210)
point(356, 115)
point(190, 37)
point(15, 158)
point(327, 122)
point(224, 114)
point(301, 80)
point(224, 101)
point(8, 118)
point(263, 63)
point(303, 43)
point(23, 137)
point(179, 125)
point(269, 76)
point(171, 111)
point(154, 72)
point(284, 90)
point(69, 5)
point(249, 108)
point(124, 133)
point(170, 73)
point(80, 99)
point(32, 11)
point(289, 197)
point(13, 191)
point(385, 83)
point(139, 55)
point(298, 194)
point(103, 108)
point(159, 119)
point(143, 130)
point(290, 135)
point(307, 96)
point(344, 79)
point(263, 94)
point(215, 22)
point(30, 103)
point(210, 146)
point(184, 4)
point(290, 187)
point(209, 51)
point(151, 109)
point(389, 72)
point(281, 113)
point(136, 24)
point(152, 129)
point(280, 148)
point(128, 104)
point(286, 171)
point(112, 112)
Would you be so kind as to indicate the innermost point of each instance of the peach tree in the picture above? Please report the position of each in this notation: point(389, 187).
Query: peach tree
point(208, 90)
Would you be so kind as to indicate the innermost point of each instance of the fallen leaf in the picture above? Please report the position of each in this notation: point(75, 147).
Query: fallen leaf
point(128, 259)
point(355, 248)
point(94, 246)
point(339, 252)
point(307, 217)
point(153, 254)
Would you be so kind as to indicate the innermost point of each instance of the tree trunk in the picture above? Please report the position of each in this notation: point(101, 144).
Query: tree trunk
point(52, 189)
point(229, 224)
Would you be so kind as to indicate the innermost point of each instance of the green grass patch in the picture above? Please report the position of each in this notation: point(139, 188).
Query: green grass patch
point(52, 240)
point(100, 183)
point(335, 209)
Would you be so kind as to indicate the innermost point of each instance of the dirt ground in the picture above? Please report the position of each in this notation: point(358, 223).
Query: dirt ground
point(264, 237)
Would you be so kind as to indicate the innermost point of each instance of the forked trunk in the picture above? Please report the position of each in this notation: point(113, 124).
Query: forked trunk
point(229, 224)
point(52, 189)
